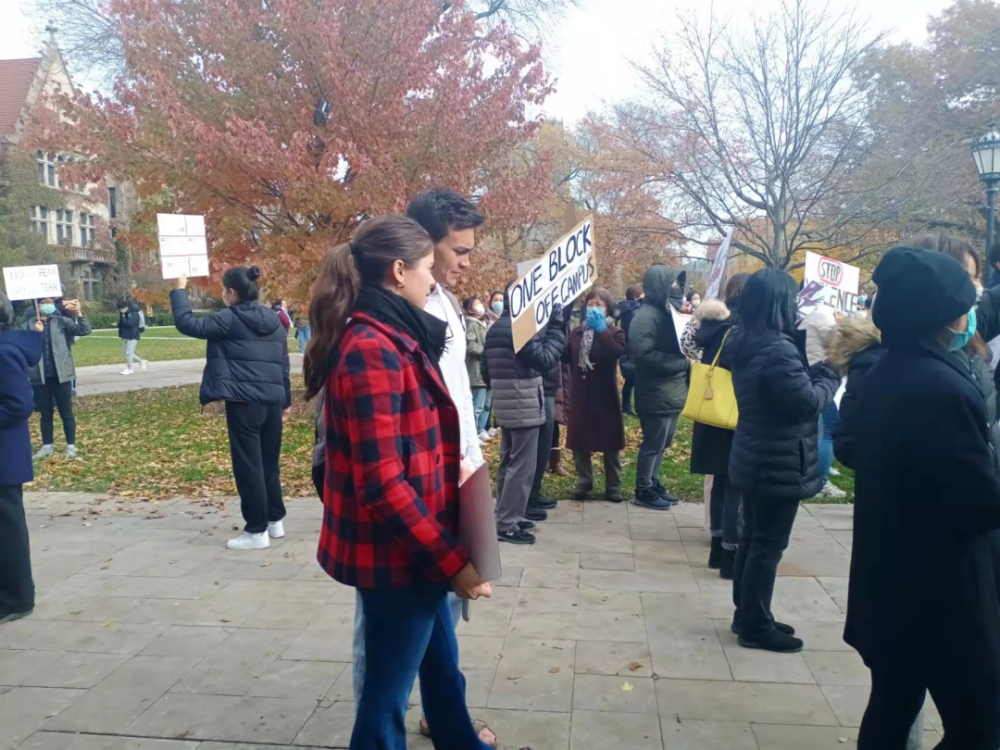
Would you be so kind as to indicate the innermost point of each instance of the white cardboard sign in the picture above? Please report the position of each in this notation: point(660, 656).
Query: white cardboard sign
point(183, 247)
point(839, 281)
point(32, 282)
point(561, 275)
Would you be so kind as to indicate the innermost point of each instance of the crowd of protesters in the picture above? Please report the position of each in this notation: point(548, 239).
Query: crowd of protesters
point(410, 383)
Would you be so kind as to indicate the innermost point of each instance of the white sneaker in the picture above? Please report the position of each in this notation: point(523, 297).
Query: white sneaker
point(144, 364)
point(832, 491)
point(125, 372)
point(834, 471)
point(483, 436)
point(250, 541)
point(275, 529)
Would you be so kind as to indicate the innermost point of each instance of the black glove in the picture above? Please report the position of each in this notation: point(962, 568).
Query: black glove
point(556, 318)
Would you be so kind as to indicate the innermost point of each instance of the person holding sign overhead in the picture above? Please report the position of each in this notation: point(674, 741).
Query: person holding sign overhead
point(52, 378)
point(248, 369)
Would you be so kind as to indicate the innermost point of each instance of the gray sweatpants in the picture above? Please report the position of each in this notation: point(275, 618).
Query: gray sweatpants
point(518, 456)
point(657, 434)
point(130, 355)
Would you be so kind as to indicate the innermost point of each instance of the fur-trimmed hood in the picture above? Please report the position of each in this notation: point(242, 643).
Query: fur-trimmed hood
point(851, 337)
point(711, 309)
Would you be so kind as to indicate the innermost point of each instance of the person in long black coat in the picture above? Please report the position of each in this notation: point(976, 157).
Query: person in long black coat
point(19, 352)
point(922, 601)
point(774, 460)
point(710, 446)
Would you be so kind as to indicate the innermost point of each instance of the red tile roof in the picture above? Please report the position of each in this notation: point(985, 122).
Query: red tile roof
point(15, 83)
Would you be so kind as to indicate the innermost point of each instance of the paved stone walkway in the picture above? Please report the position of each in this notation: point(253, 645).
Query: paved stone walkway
point(108, 378)
point(611, 632)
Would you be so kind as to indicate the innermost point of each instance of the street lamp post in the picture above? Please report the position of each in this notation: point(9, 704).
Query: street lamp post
point(986, 152)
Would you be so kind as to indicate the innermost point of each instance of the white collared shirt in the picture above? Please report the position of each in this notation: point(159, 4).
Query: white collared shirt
point(456, 374)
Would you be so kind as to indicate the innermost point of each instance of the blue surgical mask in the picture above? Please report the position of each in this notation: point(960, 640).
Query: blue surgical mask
point(959, 340)
point(47, 309)
point(594, 316)
point(497, 307)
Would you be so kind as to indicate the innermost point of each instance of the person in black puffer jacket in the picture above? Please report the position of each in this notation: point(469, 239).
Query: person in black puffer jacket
point(519, 408)
point(774, 460)
point(248, 369)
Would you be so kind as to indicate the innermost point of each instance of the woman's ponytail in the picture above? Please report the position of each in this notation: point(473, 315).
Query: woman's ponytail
point(333, 296)
point(377, 244)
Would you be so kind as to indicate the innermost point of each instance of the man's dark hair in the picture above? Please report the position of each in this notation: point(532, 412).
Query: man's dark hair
point(633, 292)
point(440, 210)
point(993, 257)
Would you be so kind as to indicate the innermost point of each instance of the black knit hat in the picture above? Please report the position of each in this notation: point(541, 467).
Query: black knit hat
point(919, 292)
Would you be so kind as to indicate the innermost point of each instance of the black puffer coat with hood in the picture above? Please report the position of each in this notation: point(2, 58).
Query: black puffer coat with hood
point(247, 352)
point(661, 383)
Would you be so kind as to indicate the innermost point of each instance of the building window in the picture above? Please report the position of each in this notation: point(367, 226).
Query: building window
point(90, 280)
point(47, 169)
point(64, 226)
point(87, 222)
point(40, 221)
point(112, 202)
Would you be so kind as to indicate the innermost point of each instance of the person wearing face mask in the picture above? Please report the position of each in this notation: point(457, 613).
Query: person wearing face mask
point(390, 526)
point(247, 368)
point(927, 499)
point(594, 415)
point(661, 382)
point(496, 308)
point(475, 340)
point(52, 378)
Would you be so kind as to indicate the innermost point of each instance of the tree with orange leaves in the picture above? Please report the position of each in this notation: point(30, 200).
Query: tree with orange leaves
point(287, 122)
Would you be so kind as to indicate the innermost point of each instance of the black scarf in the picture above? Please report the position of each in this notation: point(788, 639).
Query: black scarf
point(393, 310)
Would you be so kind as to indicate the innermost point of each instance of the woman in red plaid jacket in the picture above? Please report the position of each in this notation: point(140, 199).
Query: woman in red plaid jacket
point(392, 474)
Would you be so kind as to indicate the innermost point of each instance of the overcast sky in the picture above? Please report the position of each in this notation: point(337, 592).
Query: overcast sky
point(589, 54)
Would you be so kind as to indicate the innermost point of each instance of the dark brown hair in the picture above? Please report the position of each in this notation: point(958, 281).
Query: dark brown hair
point(604, 296)
point(633, 292)
point(734, 288)
point(961, 250)
point(377, 244)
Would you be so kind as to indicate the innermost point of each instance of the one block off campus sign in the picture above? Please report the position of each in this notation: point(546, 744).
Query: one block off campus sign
point(560, 276)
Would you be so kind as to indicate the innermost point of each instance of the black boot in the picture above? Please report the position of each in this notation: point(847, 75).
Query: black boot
point(773, 640)
point(715, 556)
point(728, 566)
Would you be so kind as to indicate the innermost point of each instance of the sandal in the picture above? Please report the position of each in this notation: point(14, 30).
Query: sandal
point(478, 724)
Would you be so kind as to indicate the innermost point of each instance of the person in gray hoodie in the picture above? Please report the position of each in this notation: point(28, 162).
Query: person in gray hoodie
point(661, 382)
point(519, 409)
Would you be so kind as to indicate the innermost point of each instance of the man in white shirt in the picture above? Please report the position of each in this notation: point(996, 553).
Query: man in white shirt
point(451, 221)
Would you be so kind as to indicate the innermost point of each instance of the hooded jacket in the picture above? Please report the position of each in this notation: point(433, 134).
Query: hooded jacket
point(128, 324)
point(855, 347)
point(19, 352)
point(661, 382)
point(517, 379)
point(247, 355)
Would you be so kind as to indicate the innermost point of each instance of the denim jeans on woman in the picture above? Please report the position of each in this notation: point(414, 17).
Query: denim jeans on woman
point(724, 511)
point(481, 406)
point(827, 421)
point(406, 632)
point(358, 647)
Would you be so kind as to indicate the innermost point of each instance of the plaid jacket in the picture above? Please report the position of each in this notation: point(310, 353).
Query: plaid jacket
point(390, 515)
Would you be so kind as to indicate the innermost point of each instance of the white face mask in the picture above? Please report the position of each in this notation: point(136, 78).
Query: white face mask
point(479, 311)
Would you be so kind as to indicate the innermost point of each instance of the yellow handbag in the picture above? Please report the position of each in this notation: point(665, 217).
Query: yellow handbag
point(711, 399)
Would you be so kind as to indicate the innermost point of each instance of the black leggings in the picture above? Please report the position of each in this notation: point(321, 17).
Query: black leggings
point(255, 448)
point(55, 395)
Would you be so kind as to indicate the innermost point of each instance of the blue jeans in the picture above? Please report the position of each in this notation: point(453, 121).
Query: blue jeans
point(827, 421)
point(411, 631)
point(480, 393)
point(303, 335)
point(358, 646)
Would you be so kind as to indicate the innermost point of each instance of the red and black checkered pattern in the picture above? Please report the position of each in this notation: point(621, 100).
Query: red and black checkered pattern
point(392, 460)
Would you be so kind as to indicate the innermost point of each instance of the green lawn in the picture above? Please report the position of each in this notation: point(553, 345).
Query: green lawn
point(160, 344)
point(159, 443)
